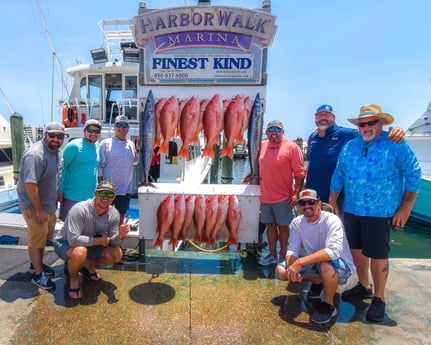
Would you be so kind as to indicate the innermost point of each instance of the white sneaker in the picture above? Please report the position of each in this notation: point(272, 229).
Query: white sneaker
point(268, 260)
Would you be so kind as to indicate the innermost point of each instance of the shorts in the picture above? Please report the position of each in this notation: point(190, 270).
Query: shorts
point(61, 248)
point(65, 207)
point(313, 270)
point(38, 234)
point(279, 213)
point(371, 234)
point(122, 202)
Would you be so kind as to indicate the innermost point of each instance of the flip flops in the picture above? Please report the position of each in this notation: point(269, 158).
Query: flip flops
point(91, 275)
point(75, 293)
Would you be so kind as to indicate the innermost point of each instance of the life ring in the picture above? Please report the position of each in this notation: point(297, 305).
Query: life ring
point(70, 116)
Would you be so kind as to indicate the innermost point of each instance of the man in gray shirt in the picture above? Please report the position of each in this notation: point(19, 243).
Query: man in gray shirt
point(39, 176)
point(91, 235)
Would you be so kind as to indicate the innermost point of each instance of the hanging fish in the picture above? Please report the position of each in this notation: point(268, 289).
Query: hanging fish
point(147, 137)
point(254, 138)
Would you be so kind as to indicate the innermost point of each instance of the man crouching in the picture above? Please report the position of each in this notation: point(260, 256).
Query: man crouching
point(90, 236)
point(327, 261)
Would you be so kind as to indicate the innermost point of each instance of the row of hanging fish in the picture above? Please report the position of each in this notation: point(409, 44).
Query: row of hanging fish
point(167, 118)
point(187, 118)
point(178, 215)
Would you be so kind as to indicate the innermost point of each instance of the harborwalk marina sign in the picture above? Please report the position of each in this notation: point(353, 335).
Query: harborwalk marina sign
point(203, 45)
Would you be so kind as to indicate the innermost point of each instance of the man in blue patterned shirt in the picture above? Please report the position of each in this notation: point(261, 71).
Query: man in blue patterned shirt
point(381, 182)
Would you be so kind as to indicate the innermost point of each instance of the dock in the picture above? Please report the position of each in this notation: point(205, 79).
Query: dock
point(200, 298)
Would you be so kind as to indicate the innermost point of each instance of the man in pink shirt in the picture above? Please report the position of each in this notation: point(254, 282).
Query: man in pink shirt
point(282, 173)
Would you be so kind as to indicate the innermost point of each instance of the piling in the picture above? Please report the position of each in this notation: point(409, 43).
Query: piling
point(17, 137)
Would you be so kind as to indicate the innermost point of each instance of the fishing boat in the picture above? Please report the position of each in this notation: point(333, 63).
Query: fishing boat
point(419, 137)
point(108, 87)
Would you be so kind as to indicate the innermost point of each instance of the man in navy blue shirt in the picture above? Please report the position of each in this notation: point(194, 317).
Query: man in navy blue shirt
point(324, 146)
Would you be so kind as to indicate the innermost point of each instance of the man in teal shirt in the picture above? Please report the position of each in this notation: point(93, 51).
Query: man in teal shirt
point(381, 181)
point(81, 160)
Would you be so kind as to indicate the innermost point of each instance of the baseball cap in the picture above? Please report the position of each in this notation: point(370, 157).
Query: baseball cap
point(92, 122)
point(308, 194)
point(121, 118)
point(105, 185)
point(275, 123)
point(325, 107)
point(54, 127)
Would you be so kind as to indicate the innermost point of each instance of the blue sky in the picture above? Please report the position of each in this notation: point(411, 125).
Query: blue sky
point(340, 52)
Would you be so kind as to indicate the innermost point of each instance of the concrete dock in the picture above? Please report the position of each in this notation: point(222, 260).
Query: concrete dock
point(201, 298)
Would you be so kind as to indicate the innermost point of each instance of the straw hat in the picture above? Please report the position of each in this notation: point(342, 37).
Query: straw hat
point(373, 110)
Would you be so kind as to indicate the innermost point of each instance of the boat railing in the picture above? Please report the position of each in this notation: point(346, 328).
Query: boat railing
point(127, 107)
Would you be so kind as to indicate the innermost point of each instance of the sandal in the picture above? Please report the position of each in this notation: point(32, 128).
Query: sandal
point(76, 291)
point(91, 275)
point(95, 276)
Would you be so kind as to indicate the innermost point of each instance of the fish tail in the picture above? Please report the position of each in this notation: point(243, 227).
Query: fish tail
point(158, 243)
point(232, 240)
point(208, 151)
point(183, 153)
point(164, 148)
point(227, 151)
point(174, 242)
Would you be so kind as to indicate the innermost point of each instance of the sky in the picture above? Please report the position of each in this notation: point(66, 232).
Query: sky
point(346, 53)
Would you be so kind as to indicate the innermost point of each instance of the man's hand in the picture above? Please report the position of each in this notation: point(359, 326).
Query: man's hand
point(396, 135)
point(124, 228)
point(293, 270)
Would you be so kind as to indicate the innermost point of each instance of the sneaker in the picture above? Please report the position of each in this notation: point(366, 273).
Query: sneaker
point(315, 291)
point(357, 292)
point(376, 311)
point(268, 260)
point(49, 272)
point(43, 282)
point(324, 313)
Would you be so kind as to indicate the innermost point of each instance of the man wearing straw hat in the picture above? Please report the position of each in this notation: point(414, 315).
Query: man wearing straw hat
point(381, 182)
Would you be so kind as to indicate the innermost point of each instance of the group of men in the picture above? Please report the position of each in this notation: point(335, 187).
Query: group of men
point(369, 178)
point(94, 196)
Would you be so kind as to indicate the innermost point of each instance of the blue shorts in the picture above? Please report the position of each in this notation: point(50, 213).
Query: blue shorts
point(61, 248)
point(313, 270)
point(371, 234)
point(122, 203)
point(279, 213)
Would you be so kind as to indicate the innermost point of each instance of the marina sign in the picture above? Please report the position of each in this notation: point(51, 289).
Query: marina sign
point(203, 45)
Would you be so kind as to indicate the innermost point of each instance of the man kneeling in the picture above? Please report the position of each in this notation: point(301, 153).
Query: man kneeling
point(327, 261)
point(91, 235)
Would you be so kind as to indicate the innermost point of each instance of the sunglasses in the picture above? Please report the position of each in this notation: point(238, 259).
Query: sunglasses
point(91, 130)
point(102, 194)
point(58, 136)
point(307, 202)
point(369, 123)
point(274, 129)
point(122, 125)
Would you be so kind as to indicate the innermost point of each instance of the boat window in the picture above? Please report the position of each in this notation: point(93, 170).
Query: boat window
point(95, 95)
point(83, 90)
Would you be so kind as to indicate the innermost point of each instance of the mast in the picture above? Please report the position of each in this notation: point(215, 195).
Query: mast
point(54, 57)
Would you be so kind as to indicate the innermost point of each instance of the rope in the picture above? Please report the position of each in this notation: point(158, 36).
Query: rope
point(208, 250)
